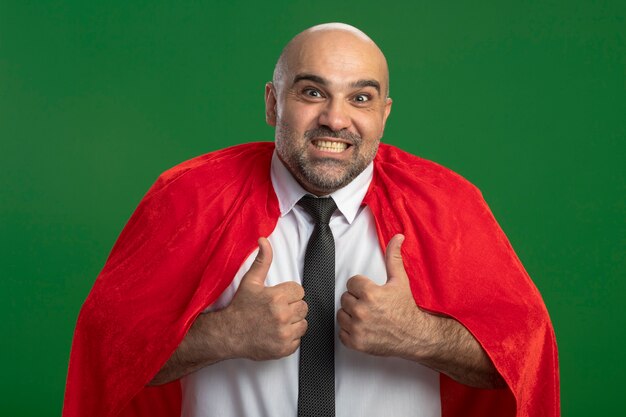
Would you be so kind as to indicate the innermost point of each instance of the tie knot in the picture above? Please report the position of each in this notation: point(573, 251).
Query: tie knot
point(319, 208)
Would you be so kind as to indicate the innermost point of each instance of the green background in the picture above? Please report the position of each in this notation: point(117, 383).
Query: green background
point(526, 99)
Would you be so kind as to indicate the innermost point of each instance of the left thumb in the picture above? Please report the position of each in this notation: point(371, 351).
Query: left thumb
point(393, 259)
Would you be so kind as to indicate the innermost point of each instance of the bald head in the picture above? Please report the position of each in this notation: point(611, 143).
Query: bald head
point(329, 41)
point(329, 103)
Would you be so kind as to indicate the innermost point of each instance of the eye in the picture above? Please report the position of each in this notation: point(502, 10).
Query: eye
point(362, 98)
point(312, 92)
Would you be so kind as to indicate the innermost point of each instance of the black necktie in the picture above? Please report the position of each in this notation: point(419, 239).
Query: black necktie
point(316, 395)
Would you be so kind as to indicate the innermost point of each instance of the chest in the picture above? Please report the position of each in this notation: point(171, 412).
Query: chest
point(357, 251)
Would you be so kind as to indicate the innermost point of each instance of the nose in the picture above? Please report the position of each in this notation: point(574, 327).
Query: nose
point(335, 115)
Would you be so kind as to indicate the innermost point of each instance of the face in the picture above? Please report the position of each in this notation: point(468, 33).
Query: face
point(329, 109)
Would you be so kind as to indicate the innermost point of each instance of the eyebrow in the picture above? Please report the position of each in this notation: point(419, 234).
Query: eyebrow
point(366, 83)
point(322, 81)
point(310, 77)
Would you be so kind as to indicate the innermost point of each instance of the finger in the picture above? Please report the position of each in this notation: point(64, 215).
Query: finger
point(261, 265)
point(358, 285)
point(344, 320)
point(299, 310)
point(348, 301)
point(292, 291)
point(300, 329)
point(393, 259)
point(346, 339)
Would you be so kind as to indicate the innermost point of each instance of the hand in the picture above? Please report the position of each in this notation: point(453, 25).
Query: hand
point(264, 322)
point(383, 319)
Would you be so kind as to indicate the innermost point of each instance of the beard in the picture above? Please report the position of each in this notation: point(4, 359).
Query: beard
point(325, 175)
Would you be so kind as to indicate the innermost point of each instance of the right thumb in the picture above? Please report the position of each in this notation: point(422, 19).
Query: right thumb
point(261, 265)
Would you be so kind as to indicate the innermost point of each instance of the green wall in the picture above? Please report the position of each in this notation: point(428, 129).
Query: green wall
point(524, 98)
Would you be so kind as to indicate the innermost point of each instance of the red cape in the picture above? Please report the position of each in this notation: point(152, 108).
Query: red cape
point(201, 219)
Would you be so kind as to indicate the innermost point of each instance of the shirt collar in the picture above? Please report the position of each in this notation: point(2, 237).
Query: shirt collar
point(289, 191)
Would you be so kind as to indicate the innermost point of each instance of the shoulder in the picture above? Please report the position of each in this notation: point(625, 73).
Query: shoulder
point(216, 169)
point(415, 174)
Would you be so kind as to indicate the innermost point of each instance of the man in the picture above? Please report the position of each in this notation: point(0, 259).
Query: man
point(444, 322)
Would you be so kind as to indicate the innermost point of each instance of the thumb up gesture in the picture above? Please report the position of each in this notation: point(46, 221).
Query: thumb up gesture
point(383, 320)
point(265, 322)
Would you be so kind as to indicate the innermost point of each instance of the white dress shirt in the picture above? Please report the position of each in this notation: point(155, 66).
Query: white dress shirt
point(364, 385)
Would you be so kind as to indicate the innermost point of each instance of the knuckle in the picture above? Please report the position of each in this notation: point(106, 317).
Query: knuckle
point(279, 315)
point(282, 317)
point(371, 296)
point(277, 297)
point(273, 309)
point(283, 334)
point(360, 313)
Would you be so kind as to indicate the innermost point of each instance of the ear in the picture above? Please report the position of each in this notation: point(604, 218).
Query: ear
point(388, 102)
point(386, 112)
point(270, 104)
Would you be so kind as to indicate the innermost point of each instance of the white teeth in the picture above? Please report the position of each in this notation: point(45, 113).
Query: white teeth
point(330, 146)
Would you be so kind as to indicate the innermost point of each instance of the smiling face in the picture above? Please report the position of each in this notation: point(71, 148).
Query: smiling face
point(329, 105)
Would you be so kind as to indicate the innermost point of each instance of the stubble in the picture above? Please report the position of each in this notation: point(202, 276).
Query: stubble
point(324, 174)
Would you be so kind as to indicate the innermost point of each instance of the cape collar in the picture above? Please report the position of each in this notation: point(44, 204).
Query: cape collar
point(289, 191)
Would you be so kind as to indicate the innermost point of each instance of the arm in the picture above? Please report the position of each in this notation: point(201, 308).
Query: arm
point(451, 349)
point(384, 320)
point(260, 323)
point(202, 346)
